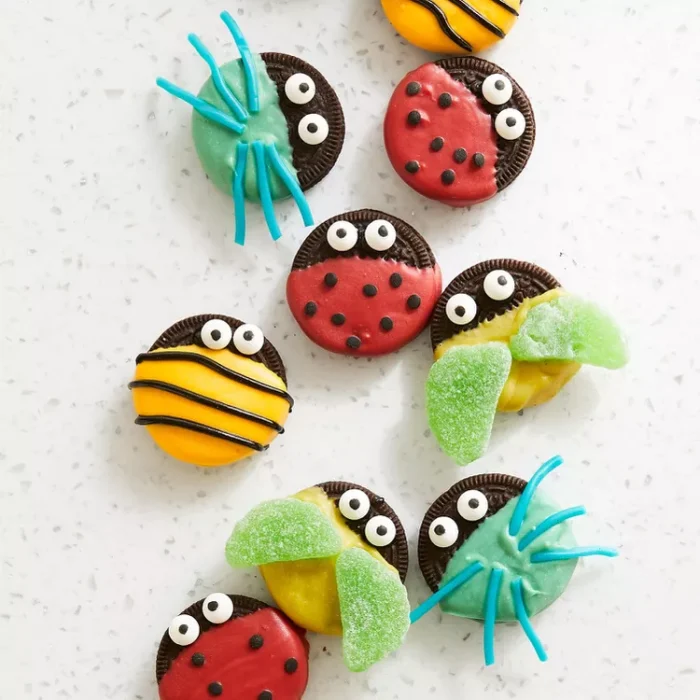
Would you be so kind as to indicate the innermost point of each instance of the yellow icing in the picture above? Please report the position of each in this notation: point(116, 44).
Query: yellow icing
point(306, 591)
point(194, 447)
point(529, 383)
point(418, 25)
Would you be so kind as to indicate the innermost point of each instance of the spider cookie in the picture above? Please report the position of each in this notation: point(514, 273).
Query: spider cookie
point(506, 336)
point(494, 548)
point(363, 283)
point(334, 558)
point(459, 130)
point(232, 646)
point(266, 127)
point(211, 390)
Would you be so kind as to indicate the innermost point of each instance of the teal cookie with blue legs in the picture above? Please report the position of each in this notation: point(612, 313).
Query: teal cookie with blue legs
point(494, 548)
point(265, 127)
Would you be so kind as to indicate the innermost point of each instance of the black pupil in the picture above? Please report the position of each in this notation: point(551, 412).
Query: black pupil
point(182, 629)
point(460, 310)
point(502, 281)
point(212, 605)
point(313, 128)
point(510, 121)
point(215, 334)
point(354, 503)
point(499, 85)
point(473, 503)
point(383, 231)
point(248, 335)
point(341, 233)
point(439, 530)
point(304, 87)
point(381, 530)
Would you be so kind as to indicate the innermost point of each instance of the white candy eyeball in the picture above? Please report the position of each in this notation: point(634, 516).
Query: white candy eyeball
point(300, 89)
point(461, 309)
point(184, 630)
point(313, 129)
point(380, 235)
point(472, 505)
point(497, 89)
point(341, 236)
point(248, 339)
point(510, 124)
point(499, 285)
point(354, 504)
point(443, 532)
point(216, 334)
point(380, 531)
point(217, 608)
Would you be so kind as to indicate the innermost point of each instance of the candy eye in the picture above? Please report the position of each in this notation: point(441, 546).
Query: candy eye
point(184, 630)
point(313, 129)
point(510, 124)
point(499, 285)
point(248, 339)
point(354, 504)
point(461, 309)
point(443, 532)
point(300, 89)
point(341, 236)
point(472, 505)
point(217, 608)
point(497, 89)
point(216, 334)
point(380, 531)
point(380, 235)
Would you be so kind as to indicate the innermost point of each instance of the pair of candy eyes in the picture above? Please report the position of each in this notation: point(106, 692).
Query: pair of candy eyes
point(184, 629)
point(461, 309)
point(472, 506)
point(247, 338)
point(380, 531)
point(380, 235)
point(509, 123)
point(300, 90)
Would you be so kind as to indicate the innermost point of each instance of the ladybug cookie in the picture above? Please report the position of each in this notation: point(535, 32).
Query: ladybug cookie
point(459, 130)
point(363, 283)
point(234, 647)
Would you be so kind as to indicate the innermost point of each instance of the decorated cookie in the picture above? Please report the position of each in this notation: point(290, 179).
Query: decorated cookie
point(452, 26)
point(211, 390)
point(234, 647)
point(494, 548)
point(459, 130)
point(363, 283)
point(506, 336)
point(334, 558)
point(266, 127)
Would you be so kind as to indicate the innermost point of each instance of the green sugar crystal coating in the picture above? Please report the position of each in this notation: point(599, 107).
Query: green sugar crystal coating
point(462, 393)
point(570, 328)
point(216, 145)
point(491, 545)
point(374, 608)
point(282, 530)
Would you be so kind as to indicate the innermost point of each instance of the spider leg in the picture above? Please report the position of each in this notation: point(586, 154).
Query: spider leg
point(516, 589)
point(238, 196)
point(548, 524)
point(547, 555)
point(264, 190)
point(251, 78)
point(521, 507)
point(290, 183)
point(490, 610)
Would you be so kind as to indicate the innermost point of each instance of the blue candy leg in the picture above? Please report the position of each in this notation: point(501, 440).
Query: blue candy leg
point(516, 589)
point(521, 507)
point(264, 190)
point(251, 78)
point(548, 524)
point(238, 196)
point(290, 183)
point(490, 609)
point(547, 555)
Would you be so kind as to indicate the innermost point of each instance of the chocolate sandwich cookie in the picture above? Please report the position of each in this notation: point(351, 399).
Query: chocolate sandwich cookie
point(211, 390)
point(363, 283)
point(266, 127)
point(459, 130)
point(232, 646)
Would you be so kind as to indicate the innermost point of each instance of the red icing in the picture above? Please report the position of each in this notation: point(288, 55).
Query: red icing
point(363, 314)
point(243, 672)
point(465, 124)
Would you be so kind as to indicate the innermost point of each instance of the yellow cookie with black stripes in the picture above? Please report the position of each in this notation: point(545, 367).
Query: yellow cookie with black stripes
point(452, 26)
point(211, 390)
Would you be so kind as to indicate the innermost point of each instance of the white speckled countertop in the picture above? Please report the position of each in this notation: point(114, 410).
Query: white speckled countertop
point(110, 232)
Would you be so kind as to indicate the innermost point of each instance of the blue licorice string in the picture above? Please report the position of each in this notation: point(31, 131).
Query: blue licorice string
point(238, 196)
point(460, 579)
point(251, 78)
point(516, 520)
point(204, 108)
point(218, 79)
point(490, 609)
point(516, 589)
point(290, 183)
point(547, 555)
point(264, 190)
point(548, 524)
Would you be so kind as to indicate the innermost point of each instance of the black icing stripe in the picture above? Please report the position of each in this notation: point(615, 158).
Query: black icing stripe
point(205, 401)
point(200, 428)
point(444, 23)
point(506, 7)
point(475, 14)
point(174, 355)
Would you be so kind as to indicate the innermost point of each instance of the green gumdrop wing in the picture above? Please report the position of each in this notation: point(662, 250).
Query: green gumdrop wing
point(282, 530)
point(462, 394)
point(569, 328)
point(216, 146)
point(374, 608)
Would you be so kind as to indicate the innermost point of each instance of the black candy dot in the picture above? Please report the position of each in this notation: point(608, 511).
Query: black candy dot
point(310, 308)
point(198, 659)
point(460, 310)
point(248, 335)
point(499, 85)
point(256, 641)
point(353, 342)
point(312, 128)
point(447, 177)
point(413, 88)
point(445, 100)
point(437, 143)
point(473, 503)
point(354, 503)
point(369, 290)
point(341, 233)
point(412, 167)
point(460, 155)
point(330, 279)
point(304, 87)
point(386, 323)
point(381, 530)
point(439, 530)
point(510, 121)
point(291, 665)
point(413, 117)
point(478, 160)
point(413, 301)
point(395, 280)
point(182, 629)
point(212, 605)
point(215, 334)
point(337, 319)
point(215, 688)
point(265, 695)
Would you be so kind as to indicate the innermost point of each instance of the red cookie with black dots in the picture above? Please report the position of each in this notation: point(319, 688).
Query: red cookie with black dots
point(363, 283)
point(459, 130)
point(234, 647)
